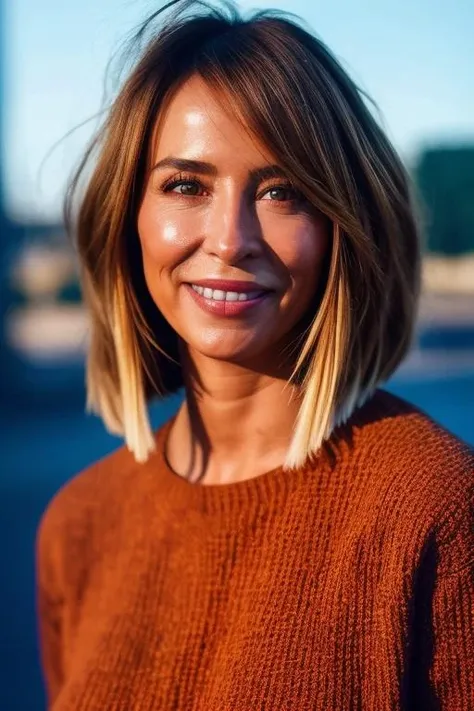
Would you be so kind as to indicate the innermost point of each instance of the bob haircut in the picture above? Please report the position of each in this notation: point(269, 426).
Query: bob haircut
point(314, 119)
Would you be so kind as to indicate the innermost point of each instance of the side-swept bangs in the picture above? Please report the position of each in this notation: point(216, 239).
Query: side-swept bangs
point(291, 93)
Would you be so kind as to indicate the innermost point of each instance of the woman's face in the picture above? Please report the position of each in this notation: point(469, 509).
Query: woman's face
point(232, 254)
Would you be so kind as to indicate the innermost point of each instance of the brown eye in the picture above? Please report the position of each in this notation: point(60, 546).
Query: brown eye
point(281, 193)
point(187, 188)
point(183, 185)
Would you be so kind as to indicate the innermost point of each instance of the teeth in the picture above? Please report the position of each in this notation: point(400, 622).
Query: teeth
point(218, 295)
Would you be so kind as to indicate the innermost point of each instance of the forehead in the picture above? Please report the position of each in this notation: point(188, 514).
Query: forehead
point(197, 122)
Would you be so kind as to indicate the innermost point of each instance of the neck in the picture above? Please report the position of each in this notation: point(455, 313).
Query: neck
point(235, 422)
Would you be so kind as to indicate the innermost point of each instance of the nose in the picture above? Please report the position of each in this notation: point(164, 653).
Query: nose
point(232, 230)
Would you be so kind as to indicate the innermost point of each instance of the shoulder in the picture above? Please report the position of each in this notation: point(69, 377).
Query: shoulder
point(404, 436)
point(70, 521)
point(88, 510)
point(83, 495)
point(423, 470)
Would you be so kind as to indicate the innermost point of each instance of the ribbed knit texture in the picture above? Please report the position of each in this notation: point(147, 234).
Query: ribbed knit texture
point(346, 585)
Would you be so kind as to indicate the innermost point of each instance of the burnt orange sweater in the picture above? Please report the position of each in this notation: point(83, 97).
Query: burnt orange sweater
point(346, 585)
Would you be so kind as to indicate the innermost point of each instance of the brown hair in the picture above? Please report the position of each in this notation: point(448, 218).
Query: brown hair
point(312, 116)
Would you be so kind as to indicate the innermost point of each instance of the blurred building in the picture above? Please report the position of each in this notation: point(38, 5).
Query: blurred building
point(445, 178)
point(7, 231)
point(42, 322)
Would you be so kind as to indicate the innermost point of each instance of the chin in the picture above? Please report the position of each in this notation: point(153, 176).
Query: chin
point(223, 349)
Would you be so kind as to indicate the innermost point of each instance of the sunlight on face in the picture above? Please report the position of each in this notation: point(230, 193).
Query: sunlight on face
point(217, 206)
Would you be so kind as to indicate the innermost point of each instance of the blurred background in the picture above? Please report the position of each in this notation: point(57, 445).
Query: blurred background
point(416, 60)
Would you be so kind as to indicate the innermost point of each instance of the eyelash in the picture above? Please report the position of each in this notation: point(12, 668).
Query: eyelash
point(183, 179)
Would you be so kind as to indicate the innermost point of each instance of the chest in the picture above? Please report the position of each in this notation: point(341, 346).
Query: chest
point(265, 618)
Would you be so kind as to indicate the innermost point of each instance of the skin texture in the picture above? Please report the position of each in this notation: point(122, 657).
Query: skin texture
point(226, 226)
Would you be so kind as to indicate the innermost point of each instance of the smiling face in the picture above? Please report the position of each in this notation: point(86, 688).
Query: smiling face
point(232, 253)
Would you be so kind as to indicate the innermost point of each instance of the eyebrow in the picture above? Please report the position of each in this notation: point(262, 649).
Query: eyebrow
point(257, 175)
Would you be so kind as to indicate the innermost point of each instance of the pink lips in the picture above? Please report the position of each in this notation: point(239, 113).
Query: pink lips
point(226, 308)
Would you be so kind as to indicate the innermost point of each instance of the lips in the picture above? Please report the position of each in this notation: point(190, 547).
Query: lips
point(227, 308)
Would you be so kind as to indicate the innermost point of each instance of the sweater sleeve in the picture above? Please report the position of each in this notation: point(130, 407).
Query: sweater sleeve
point(49, 604)
point(453, 611)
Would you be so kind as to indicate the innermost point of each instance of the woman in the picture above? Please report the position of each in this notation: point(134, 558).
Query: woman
point(294, 537)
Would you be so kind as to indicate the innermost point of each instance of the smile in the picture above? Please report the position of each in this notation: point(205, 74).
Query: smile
point(219, 295)
point(227, 303)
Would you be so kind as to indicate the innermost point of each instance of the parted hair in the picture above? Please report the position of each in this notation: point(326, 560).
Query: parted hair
point(290, 91)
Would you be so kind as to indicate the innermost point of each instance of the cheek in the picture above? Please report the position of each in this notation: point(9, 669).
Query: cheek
point(302, 250)
point(164, 236)
point(161, 245)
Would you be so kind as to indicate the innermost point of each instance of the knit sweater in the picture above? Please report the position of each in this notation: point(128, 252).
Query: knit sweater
point(345, 585)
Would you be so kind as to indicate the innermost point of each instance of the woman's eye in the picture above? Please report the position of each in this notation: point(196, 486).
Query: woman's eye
point(281, 193)
point(187, 188)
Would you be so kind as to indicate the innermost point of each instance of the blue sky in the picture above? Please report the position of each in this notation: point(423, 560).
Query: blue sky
point(414, 57)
